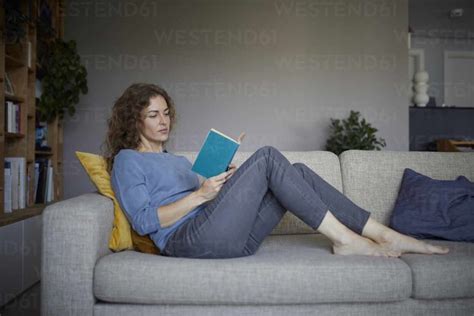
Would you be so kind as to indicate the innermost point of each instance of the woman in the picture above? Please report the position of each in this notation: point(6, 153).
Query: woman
point(228, 215)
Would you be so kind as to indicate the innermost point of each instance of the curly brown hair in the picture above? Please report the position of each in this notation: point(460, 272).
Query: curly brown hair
point(123, 124)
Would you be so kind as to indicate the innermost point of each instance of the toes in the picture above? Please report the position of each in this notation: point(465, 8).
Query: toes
point(444, 249)
point(395, 253)
point(437, 249)
point(441, 250)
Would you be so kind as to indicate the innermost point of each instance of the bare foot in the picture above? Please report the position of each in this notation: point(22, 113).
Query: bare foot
point(396, 241)
point(358, 245)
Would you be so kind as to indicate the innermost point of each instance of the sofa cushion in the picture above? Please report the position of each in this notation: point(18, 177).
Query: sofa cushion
point(443, 276)
point(324, 163)
point(291, 269)
point(434, 209)
point(122, 236)
point(372, 179)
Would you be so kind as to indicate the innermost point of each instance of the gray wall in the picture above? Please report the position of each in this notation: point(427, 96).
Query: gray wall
point(278, 70)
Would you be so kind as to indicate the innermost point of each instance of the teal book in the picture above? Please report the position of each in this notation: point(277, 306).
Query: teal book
point(215, 155)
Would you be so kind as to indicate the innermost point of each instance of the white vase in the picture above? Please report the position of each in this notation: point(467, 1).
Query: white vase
point(422, 76)
point(420, 88)
point(421, 99)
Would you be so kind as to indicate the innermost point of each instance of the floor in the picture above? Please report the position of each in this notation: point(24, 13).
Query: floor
point(27, 304)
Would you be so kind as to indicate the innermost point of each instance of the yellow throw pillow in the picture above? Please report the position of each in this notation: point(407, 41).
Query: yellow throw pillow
point(123, 237)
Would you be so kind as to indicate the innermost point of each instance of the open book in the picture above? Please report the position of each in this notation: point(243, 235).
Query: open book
point(215, 154)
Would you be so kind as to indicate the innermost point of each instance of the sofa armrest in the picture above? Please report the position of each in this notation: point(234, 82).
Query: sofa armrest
point(75, 235)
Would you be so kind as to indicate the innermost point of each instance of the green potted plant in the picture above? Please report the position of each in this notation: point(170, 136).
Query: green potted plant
point(64, 79)
point(353, 133)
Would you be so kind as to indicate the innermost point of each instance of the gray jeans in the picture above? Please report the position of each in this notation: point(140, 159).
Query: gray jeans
point(252, 202)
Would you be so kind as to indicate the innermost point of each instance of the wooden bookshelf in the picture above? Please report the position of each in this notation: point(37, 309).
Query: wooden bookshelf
point(14, 63)
point(22, 214)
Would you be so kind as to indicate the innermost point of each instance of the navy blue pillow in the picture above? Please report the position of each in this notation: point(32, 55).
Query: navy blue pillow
point(434, 209)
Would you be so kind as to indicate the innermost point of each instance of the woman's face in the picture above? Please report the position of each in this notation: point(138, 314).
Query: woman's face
point(156, 121)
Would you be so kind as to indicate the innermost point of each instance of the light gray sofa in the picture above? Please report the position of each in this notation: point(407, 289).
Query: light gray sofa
point(294, 272)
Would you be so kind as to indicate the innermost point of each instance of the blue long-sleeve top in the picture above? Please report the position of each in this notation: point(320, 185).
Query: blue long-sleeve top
point(144, 181)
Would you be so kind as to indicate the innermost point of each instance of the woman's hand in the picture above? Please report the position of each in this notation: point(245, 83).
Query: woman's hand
point(231, 170)
point(211, 186)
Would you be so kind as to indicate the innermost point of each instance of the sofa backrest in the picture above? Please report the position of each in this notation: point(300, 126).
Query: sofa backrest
point(372, 179)
point(324, 163)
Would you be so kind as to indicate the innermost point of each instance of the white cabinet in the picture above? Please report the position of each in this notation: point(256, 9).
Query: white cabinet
point(32, 234)
point(20, 257)
point(10, 261)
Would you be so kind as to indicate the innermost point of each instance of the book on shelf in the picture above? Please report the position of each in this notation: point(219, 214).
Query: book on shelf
point(51, 191)
point(29, 48)
point(27, 193)
point(18, 182)
point(49, 183)
point(12, 117)
point(7, 187)
point(35, 191)
point(216, 154)
point(42, 165)
point(44, 184)
point(16, 118)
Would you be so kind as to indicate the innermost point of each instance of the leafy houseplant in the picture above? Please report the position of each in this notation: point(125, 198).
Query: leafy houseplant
point(353, 134)
point(65, 78)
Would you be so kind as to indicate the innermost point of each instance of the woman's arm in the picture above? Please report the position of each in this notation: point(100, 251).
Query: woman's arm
point(171, 213)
